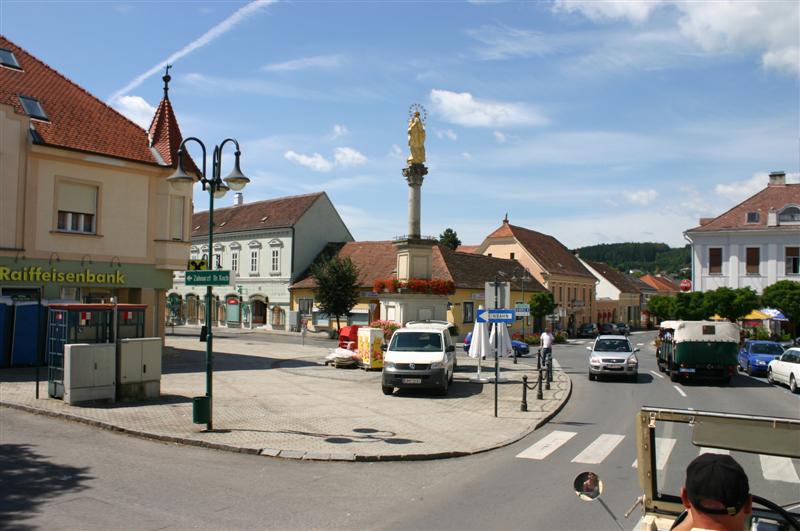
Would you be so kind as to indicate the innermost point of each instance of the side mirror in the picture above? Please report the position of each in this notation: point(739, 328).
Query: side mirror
point(588, 486)
point(636, 350)
point(451, 348)
point(588, 348)
point(383, 347)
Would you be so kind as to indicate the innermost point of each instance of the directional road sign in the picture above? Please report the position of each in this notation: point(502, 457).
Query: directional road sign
point(208, 278)
point(523, 309)
point(500, 315)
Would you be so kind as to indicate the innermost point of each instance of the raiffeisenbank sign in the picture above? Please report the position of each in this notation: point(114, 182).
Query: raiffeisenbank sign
point(37, 274)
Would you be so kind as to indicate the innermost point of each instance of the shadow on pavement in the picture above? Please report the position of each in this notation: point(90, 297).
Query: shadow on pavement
point(188, 361)
point(359, 435)
point(739, 380)
point(29, 480)
point(458, 389)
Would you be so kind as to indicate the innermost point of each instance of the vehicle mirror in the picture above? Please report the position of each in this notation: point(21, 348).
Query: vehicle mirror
point(588, 348)
point(383, 347)
point(451, 348)
point(636, 350)
point(588, 486)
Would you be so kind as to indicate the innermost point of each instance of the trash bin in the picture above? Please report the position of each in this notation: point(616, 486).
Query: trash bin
point(201, 410)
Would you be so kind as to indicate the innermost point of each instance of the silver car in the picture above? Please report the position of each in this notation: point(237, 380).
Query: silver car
point(613, 355)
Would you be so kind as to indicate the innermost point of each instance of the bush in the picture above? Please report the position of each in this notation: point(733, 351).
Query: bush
point(388, 328)
point(533, 339)
point(561, 337)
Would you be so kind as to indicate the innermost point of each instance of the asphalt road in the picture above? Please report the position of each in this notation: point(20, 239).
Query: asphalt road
point(66, 475)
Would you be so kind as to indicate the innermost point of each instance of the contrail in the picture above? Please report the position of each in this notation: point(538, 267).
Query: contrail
point(206, 38)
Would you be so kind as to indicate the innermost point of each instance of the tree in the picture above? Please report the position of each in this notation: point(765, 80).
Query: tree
point(662, 307)
point(337, 288)
point(691, 306)
point(542, 303)
point(449, 238)
point(732, 304)
point(784, 296)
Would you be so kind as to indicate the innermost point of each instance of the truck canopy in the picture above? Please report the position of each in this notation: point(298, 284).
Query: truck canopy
point(707, 331)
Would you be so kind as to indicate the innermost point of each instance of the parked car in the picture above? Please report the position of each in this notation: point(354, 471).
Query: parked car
point(786, 369)
point(419, 355)
point(588, 330)
point(520, 347)
point(608, 329)
point(623, 329)
point(613, 355)
point(755, 355)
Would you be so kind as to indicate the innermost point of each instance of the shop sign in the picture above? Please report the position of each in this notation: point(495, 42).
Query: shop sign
point(53, 275)
point(232, 300)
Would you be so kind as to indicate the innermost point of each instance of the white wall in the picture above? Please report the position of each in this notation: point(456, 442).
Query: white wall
point(320, 225)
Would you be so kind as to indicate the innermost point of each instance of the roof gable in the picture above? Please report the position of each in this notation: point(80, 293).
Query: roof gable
point(619, 280)
point(773, 197)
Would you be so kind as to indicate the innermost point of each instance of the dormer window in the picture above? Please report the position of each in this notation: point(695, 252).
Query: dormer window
point(753, 217)
point(789, 215)
point(8, 59)
point(33, 108)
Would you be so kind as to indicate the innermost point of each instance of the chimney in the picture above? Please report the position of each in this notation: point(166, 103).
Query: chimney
point(705, 221)
point(238, 199)
point(777, 178)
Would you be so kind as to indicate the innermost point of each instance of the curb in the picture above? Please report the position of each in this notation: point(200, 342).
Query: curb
point(285, 453)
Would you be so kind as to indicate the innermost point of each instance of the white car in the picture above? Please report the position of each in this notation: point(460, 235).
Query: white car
point(786, 369)
point(613, 355)
point(422, 354)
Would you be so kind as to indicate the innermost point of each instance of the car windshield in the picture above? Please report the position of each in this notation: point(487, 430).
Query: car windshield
point(612, 345)
point(766, 348)
point(416, 341)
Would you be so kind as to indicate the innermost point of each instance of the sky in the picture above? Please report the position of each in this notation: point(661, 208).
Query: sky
point(594, 122)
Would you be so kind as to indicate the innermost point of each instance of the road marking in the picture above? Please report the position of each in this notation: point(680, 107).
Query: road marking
point(654, 373)
point(547, 445)
point(680, 391)
point(664, 447)
point(720, 451)
point(639, 344)
point(778, 469)
point(599, 449)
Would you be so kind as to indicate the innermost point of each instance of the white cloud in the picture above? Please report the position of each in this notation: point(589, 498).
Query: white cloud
point(448, 133)
point(500, 137)
point(339, 130)
point(640, 197)
point(466, 156)
point(217, 31)
point(136, 109)
point(343, 183)
point(345, 156)
point(726, 26)
point(315, 162)
point(462, 109)
point(396, 152)
point(320, 61)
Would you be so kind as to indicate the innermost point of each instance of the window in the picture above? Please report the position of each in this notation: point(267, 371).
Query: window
point(254, 261)
point(793, 260)
point(752, 260)
point(469, 312)
point(32, 108)
point(305, 305)
point(276, 260)
point(790, 215)
point(235, 261)
point(218, 261)
point(753, 217)
point(511, 256)
point(176, 217)
point(561, 293)
point(489, 255)
point(715, 261)
point(7, 58)
point(77, 207)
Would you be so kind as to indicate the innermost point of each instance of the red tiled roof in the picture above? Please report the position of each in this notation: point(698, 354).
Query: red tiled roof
point(165, 136)
point(620, 280)
point(663, 285)
point(467, 248)
point(267, 214)
point(548, 251)
point(470, 270)
point(76, 119)
point(773, 197)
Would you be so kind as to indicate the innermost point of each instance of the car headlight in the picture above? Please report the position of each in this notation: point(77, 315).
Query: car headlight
point(595, 360)
point(633, 360)
point(389, 365)
point(761, 362)
point(437, 365)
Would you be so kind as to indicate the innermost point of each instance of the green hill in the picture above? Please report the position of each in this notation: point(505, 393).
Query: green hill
point(647, 257)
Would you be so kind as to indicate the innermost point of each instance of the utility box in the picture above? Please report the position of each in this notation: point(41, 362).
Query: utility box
point(89, 372)
point(370, 347)
point(139, 368)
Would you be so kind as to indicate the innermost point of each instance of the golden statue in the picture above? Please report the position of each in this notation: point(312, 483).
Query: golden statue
point(416, 140)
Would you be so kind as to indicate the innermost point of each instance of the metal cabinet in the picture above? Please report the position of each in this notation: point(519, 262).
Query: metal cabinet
point(89, 372)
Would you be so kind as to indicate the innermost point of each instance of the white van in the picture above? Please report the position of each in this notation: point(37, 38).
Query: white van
point(421, 355)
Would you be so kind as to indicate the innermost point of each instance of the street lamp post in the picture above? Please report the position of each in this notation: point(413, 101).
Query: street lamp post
point(216, 188)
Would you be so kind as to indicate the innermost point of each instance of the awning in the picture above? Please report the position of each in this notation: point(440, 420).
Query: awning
point(756, 315)
point(773, 314)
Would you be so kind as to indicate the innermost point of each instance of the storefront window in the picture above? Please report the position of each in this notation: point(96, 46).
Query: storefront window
point(469, 312)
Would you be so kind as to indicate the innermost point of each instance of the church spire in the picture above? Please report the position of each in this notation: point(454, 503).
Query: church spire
point(167, 78)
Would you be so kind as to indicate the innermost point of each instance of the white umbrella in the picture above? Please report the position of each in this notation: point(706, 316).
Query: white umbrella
point(479, 347)
point(504, 347)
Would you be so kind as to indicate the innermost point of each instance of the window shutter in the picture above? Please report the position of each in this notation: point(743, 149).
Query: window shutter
point(80, 198)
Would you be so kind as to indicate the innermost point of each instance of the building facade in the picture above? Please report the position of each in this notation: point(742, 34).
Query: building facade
point(86, 213)
point(754, 244)
point(620, 298)
point(266, 245)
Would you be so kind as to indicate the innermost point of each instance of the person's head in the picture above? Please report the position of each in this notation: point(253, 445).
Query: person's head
point(717, 492)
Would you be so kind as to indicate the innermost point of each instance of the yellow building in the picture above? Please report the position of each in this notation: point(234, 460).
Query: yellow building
point(377, 261)
point(553, 265)
point(85, 211)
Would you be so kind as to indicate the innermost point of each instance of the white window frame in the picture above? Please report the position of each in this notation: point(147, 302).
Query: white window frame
point(275, 260)
point(253, 261)
point(76, 222)
point(235, 261)
point(791, 271)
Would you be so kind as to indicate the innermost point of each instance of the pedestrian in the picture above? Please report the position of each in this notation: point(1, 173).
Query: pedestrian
point(716, 494)
point(547, 340)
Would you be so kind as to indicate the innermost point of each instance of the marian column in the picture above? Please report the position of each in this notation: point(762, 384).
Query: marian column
point(415, 173)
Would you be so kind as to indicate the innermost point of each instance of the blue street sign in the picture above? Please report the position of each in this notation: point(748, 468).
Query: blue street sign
point(500, 315)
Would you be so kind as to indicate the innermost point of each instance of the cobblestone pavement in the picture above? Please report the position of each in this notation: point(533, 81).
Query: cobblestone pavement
point(281, 400)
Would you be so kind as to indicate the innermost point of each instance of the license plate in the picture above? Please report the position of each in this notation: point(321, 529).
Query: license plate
point(412, 380)
point(685, 370)
point(613, 367)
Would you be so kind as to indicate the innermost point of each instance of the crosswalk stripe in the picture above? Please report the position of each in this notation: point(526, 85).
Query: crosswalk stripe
point(599, 449)
point(664, 447)
point(778, 469)
point(547, 445)
point(720, 451)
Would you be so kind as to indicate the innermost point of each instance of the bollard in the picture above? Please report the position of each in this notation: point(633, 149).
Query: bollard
point(550, 368)
point(539, 393)
point(524, 405)
point(515, 356)
point(539, 359)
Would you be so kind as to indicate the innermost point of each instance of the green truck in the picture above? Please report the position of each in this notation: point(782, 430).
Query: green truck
point(700, 349)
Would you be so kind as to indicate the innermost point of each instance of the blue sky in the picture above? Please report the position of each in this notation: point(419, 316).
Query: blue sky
point(595, 122)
